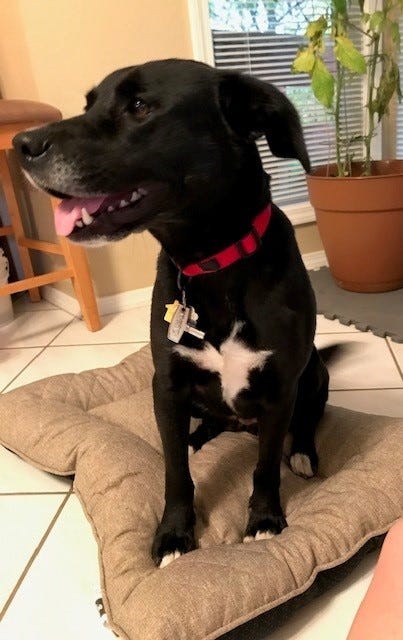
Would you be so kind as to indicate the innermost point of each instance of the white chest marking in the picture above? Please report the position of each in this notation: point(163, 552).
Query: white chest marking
point(233, 362)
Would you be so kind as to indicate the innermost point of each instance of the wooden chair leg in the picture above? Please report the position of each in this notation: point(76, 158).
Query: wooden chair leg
point(77, 260)
point(15, 217)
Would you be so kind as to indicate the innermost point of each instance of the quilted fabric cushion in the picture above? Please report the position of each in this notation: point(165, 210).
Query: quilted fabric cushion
point(100, 425)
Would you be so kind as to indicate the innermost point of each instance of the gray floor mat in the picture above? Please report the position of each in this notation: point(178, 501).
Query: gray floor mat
point(381, 313)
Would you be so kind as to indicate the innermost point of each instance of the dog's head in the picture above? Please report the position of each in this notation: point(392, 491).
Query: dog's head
point(155, 138)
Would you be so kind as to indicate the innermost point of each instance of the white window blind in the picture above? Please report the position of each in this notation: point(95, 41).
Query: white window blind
point(261, 37)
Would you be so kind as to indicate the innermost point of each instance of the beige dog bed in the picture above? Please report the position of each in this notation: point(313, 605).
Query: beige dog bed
point(100, 425)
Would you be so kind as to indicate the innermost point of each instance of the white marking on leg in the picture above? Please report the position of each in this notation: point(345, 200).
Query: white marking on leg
point(301, 465)
point(170, 557)
point(259, 535)
point(264, 535)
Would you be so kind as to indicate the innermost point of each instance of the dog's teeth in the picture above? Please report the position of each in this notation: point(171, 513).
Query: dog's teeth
point(123, 203)
point(110, 209)
point(79, 223)
point(142, 191)
point(135, 196)
point(87, 218)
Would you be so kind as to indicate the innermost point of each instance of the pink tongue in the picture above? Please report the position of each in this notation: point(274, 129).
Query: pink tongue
point(69, 211)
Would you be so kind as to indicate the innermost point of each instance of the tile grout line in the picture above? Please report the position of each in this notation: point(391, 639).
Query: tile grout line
point(80, 344)
point(368, 389)
point(33, 493)
point(91, 344)
point(35, 357)
point(338, 332)
point(35, 309)
point(395, 359)
point(33, 556)
point(23, 369)
point(61, 331)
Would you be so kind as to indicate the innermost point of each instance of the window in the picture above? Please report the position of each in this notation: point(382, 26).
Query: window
point(261, 37)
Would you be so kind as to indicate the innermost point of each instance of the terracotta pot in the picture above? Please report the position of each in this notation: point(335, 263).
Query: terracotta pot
point(360, 221)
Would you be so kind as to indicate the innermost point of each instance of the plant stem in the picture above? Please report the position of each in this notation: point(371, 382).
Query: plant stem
point(339, 82)
point(373, 61)
point(339, 21)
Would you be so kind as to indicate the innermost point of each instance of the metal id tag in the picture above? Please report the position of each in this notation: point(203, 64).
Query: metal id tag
point(178, 324)
point(195, 332)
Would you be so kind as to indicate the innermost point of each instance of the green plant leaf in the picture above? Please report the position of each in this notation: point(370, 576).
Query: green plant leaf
point(304, 61)
point(389, 84)
point(395, 34)
point(341, 6)
point(316, 28)
point(398, 87)
point(349, 56)
point(322, 83)
point(376, 21)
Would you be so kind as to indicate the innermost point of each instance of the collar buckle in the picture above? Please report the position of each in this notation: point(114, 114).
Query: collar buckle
point(244, 248)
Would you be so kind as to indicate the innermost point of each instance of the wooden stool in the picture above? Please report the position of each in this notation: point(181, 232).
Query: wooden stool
point(16, 116)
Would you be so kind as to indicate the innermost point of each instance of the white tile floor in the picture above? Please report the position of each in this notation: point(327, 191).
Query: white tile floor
point(48, 558)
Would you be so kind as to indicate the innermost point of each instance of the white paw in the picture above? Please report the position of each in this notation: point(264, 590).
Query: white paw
point(301, 465)
point(170, 557)
point(259, 535)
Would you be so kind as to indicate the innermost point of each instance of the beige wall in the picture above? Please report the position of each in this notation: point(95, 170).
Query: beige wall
point(54, 51)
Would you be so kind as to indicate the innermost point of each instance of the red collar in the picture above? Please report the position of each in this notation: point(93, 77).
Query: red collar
point(241, 249)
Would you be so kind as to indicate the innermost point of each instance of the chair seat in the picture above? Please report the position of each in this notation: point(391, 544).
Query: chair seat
point(17, 111)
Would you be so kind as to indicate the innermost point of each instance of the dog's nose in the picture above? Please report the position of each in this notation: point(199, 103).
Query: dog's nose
point(31, 145)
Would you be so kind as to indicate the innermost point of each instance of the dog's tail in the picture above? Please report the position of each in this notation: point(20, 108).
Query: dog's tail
point(333, 352)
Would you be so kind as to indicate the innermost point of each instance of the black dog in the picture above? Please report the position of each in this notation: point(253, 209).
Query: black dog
point(169, 146)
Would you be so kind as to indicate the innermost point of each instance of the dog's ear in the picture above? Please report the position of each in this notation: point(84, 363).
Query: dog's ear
point(254, 108)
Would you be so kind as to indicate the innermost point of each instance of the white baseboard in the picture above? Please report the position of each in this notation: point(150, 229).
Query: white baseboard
point(315, 260)
point(139, 297)
point(106, 304)
point(302, 213)
point(123, 301)
point(60, 299)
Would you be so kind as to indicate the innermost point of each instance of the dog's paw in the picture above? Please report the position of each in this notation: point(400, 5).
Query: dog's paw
point(259, 535)
point(302, 465)
point(170, 545)
point(170, 557)
point(259, 528)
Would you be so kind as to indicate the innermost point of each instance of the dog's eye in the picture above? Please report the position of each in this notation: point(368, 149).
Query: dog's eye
point(139, 108)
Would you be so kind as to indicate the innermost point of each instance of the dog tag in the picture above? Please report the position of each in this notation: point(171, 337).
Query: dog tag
point(182, 319)
point(171, 308)
point(195, 332)
point(194, 316)
point(179, 323)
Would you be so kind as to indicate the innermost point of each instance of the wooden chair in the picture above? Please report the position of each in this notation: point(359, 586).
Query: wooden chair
point(16, 116)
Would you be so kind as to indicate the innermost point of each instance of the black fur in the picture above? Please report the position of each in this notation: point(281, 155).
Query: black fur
point(186, 133)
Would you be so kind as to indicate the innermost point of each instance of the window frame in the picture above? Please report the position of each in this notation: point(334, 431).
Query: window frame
point(202, 44)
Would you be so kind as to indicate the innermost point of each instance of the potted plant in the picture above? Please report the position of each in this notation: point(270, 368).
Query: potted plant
point(358, 202)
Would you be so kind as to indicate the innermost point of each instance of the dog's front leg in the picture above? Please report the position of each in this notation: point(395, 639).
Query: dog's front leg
point(175, 534)
point(266, 516)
